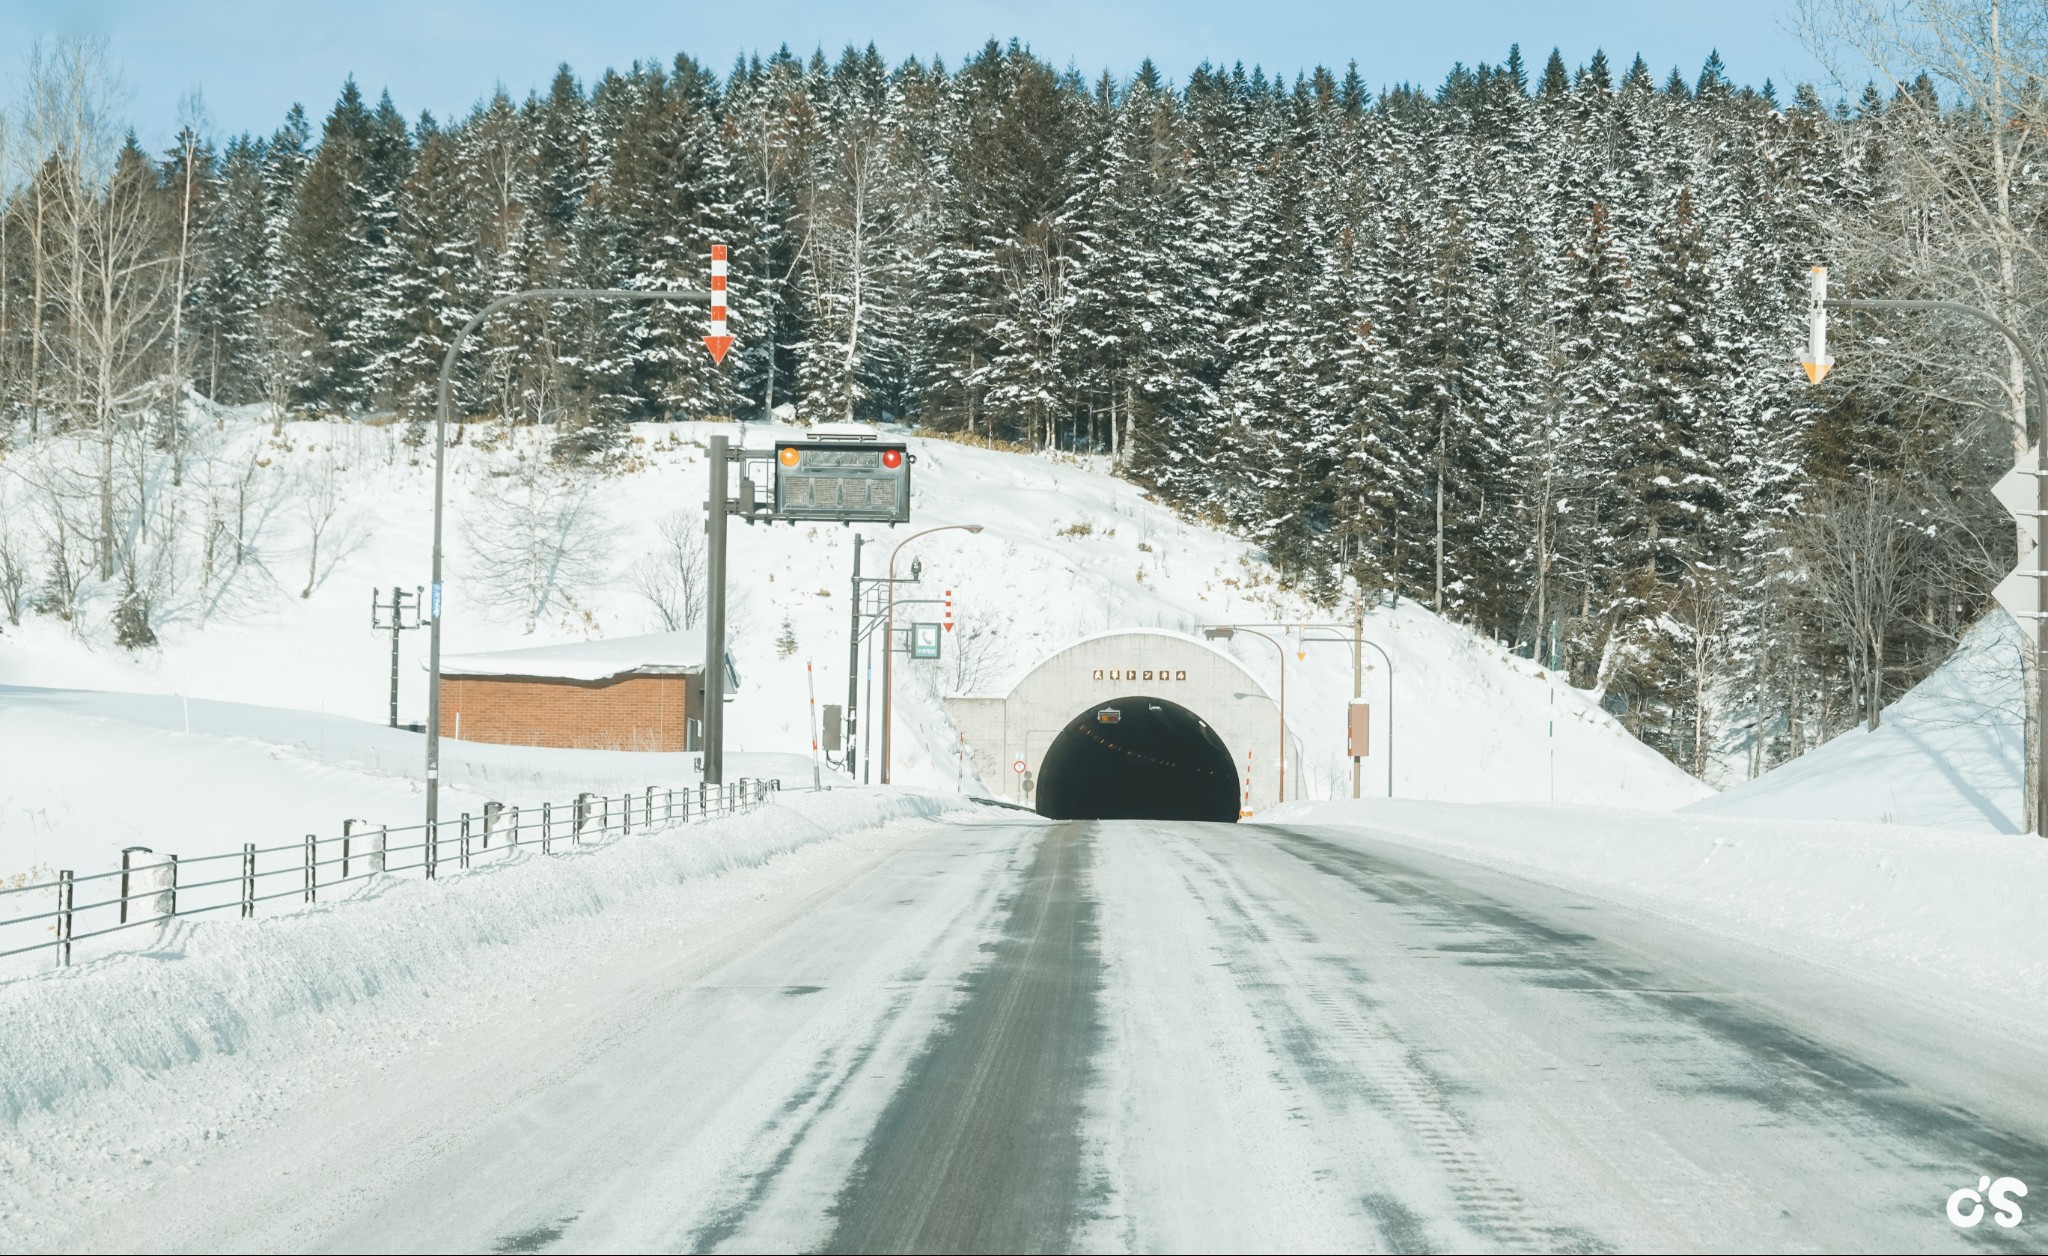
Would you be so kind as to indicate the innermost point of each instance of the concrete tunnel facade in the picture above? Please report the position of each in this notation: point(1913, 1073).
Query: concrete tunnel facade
point(1022, 725)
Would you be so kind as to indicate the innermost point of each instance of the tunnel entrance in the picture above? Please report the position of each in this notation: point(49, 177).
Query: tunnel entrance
point(1138, 758)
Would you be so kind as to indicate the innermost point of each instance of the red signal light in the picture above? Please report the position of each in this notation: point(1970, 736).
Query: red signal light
point(892, 458)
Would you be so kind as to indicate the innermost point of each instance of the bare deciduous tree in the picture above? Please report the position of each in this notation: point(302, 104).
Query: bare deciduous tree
point(536, 539)
point(1857, 547)
point(320, 500)
point(671, 578)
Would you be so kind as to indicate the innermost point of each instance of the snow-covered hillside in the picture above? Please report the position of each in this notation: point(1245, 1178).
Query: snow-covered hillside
point(1066, 551)
point(1948, 754)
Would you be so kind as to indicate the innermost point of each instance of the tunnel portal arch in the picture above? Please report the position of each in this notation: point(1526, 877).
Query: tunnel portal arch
point(1138, 757)
point(1004, 730)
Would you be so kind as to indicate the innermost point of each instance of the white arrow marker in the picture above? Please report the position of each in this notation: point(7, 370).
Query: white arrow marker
point(1817, 360)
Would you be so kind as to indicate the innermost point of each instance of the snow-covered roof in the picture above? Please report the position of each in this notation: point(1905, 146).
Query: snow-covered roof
point(656, 654)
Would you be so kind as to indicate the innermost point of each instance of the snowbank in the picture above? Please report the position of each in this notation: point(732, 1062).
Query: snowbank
point(262, 987)
point(1947, 917)
point(654, 653)
point(1950, 753)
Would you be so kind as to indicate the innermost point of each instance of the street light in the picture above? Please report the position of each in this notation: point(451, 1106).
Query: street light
point(889, 633)
point(1224, 632)
point(440, 479)
point(1357, 642)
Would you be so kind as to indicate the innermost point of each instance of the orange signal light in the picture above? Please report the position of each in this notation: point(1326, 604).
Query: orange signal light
point(789, 455)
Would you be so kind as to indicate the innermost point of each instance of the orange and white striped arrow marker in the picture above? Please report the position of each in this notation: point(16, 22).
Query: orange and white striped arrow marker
point(949, 610)
point(718, 342)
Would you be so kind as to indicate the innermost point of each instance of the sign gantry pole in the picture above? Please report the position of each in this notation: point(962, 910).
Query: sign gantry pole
point(715, 510)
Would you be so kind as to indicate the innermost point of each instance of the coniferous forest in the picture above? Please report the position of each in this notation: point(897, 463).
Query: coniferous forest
point(1520, 346)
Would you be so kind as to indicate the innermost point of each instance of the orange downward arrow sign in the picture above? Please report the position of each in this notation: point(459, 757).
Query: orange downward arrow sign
point(718, 345)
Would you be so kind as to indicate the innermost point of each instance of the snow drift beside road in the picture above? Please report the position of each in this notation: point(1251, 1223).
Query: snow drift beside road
point(272, 986)
point(1950, 753)
point(1946, 917)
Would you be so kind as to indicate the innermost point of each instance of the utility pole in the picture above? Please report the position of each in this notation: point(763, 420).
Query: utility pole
point(853, 665)
point(714, 617)
point(2025, 593)
point(1358, 689)
point(1359, 644)
point(398, 615)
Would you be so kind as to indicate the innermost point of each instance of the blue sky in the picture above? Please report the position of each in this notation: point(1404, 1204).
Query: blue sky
point(251, 59)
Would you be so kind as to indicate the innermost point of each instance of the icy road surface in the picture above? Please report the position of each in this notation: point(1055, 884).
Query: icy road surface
point(1032, 1037)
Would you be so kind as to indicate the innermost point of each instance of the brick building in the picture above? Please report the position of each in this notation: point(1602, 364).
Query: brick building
point(626, 693)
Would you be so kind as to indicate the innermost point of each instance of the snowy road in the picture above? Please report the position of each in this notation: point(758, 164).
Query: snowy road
point(1129, 1035)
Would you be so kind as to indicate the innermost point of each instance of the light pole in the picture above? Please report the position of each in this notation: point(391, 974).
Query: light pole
point(1357, 642)
point(1224, 632)
point(889, 636)
point(1817, 367)
point(691, 296)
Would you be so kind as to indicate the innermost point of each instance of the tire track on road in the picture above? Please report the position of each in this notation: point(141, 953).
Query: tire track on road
point(981, 1148)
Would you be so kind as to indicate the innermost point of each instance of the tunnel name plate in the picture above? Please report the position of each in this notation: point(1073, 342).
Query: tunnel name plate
point(1133, 673)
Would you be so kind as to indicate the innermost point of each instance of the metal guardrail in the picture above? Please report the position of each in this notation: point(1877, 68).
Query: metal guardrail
point(159, 888)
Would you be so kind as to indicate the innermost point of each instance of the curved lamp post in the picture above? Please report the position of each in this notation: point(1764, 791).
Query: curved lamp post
point(687, 295)
point(1224, 632)
point(889, 636)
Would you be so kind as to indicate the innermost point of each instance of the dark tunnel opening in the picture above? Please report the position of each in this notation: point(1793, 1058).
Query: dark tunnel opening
point(1138, 758)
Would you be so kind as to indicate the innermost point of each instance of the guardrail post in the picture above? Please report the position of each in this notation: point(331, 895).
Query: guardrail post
point(583, 810)
point(312, 869)
point(64, 900)
point(493, 814)
point(379, 840)
point(465, 839)
point(547, 828)
point(248, 879)
point(349, 829)
point(128, 854)
point(512, 830)
point(625, 814)
point(650, 806)
point(156, 892)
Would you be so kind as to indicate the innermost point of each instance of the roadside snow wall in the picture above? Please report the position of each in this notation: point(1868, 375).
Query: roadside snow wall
point(263, 987)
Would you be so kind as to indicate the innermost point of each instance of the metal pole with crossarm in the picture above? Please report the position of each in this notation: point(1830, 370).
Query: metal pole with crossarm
point(1358, 642)
point(686, 295)
point(1817, 364)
